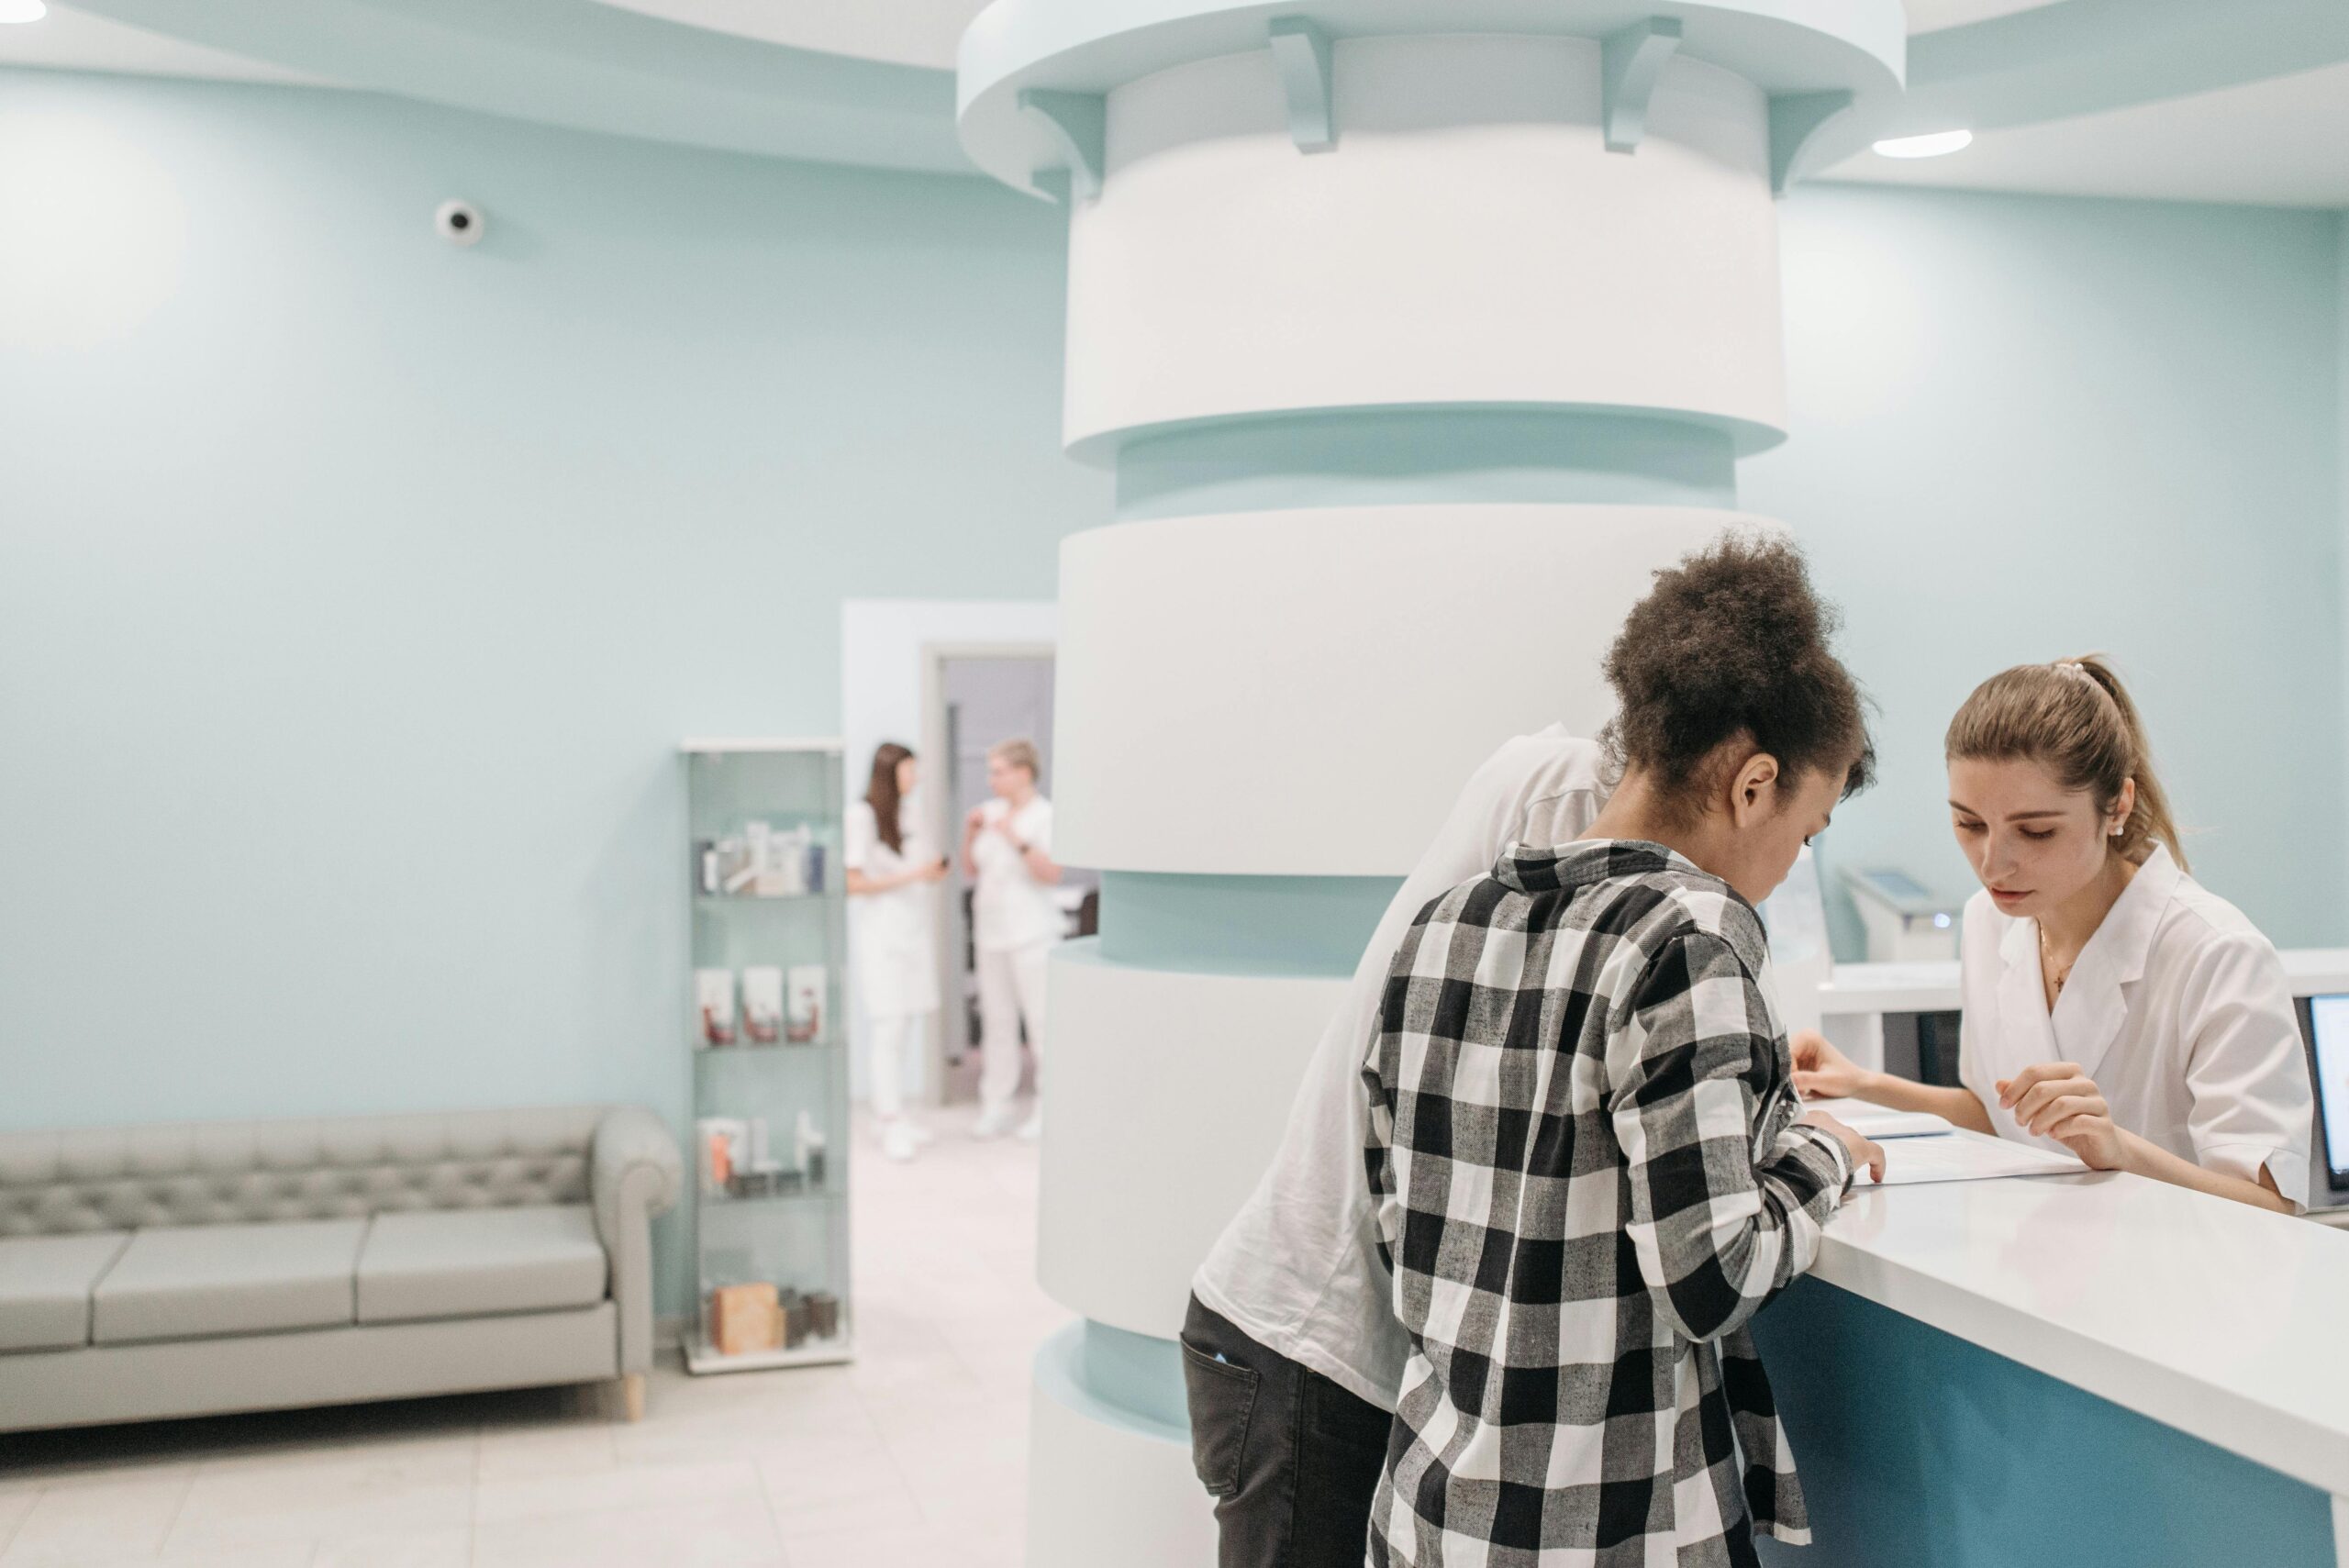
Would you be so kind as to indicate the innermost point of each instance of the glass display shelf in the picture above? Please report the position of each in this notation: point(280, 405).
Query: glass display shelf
point(765, 817)
point(746, 900)
point(701, 1356)
point(713, 1204)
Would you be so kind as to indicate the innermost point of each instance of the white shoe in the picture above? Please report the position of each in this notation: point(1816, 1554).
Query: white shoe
point(920, 1133)
point(993, 1122)
point(1033, 1128)
point(898, 1141)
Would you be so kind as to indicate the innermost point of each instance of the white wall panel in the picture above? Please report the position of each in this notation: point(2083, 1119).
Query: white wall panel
point(1301, 693)
point(1169, 1093)
point(1470, 241)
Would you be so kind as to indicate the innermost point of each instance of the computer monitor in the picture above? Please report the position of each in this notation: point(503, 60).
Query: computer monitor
point(2325, 1023)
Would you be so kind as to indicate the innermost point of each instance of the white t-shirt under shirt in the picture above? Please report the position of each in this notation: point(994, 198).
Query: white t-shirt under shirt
point(2177, 1008)
point(1299, 1270)
point(1010, 908)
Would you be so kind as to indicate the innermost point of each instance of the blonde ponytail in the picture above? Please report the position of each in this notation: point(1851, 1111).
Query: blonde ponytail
point(2075, 718)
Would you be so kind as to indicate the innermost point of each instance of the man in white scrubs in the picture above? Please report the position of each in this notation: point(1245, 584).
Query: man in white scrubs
point(1007, 851)
point(1291, 1312)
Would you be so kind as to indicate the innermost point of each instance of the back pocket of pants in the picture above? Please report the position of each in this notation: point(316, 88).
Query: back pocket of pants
point(1222, 1396)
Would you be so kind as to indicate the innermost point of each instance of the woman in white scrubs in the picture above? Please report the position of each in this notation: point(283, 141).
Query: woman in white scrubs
point(2112, 1005)
point(889, 874)
point(1007, 851)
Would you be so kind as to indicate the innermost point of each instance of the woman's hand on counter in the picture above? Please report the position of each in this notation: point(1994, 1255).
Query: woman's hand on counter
point(1866, 1155)
point(1821, 1072)
point(1824, 1073)
point(2055, 1099)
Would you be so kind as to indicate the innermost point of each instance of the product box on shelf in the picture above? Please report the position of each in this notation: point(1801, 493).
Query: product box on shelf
point(804, 1021)
point(745, 1318)
point(725, 1147)
point(714, 1006)
point(762, 1004)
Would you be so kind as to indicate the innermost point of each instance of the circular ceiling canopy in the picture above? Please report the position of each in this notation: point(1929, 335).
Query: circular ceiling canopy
point(1932, 15)
point(872, 81)
point(898, 33)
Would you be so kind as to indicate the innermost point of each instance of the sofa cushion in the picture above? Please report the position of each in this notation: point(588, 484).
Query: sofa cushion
point(45, 1282)
point(189, 1281)
point(469, 1263)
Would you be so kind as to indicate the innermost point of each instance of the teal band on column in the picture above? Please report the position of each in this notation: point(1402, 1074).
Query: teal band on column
point(1117, 1377)
point(1399, 456)
point(1240, 925)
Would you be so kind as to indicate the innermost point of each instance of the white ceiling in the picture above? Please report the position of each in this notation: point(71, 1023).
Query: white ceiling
point(2282, 142)
point(69, 40)
point(906, 32)
point(902, 32)
point(1932, 15)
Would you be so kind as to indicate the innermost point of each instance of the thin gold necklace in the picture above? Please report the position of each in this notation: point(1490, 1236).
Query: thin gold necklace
point(2047, 960)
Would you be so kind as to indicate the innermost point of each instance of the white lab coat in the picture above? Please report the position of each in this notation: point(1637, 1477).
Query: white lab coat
point(2177, 1008)
point(1010, 908)
point(892, 954)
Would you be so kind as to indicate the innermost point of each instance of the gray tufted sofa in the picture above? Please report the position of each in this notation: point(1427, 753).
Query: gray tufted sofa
point(200, 1267)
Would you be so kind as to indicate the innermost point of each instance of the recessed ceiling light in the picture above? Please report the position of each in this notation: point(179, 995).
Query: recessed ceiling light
point(22, 10)
point(1939, 144)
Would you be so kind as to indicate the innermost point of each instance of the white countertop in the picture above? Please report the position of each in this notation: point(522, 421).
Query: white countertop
point(2221, 1320)
point(1861, 988)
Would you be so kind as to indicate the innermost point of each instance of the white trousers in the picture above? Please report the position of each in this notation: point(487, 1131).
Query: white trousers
point(1011, 988)
point(894, 1037)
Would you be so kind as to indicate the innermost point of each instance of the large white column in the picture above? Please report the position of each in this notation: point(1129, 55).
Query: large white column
point(1419, 333)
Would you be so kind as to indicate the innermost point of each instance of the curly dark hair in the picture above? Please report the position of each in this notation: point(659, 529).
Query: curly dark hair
point(1733, 641)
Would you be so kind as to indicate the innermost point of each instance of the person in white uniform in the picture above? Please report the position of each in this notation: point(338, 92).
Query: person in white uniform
point(890, 871)
point(1006, 853)
point(2113, 1005)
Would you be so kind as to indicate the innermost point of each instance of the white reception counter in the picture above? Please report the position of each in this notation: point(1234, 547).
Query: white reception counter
point(2144, 1342)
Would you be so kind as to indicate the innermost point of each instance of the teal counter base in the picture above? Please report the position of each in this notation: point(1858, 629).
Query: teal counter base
point(1919, 1449)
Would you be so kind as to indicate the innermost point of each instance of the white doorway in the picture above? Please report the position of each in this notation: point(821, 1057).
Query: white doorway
point(974, 698)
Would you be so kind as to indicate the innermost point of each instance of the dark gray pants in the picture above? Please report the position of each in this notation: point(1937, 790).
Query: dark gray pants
point(1291, 1459)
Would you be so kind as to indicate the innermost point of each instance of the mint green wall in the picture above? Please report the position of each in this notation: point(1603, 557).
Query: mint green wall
point(2026, 428)
point(352, 604)
point(351, 608)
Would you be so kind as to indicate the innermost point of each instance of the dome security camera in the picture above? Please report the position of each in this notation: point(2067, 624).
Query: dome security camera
point(460, 222)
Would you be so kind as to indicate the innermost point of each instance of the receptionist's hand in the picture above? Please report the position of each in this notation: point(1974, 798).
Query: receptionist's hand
point(2055, 1099)
point(1821, 1072)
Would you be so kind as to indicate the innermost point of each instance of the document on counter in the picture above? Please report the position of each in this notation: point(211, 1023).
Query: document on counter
point(1880, 1122)
point(1963, 1156)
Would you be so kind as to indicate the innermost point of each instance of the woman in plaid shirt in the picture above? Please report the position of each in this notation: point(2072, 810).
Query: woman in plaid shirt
point(1587, 1161)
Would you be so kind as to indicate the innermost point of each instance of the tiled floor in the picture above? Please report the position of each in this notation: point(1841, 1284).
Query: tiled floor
point(916, 1454)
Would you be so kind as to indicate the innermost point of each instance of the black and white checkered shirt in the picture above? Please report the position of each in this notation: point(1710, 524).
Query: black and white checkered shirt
point(1588, 1177)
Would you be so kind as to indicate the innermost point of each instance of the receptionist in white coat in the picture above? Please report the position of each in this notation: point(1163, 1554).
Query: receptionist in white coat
point(2113, 1005)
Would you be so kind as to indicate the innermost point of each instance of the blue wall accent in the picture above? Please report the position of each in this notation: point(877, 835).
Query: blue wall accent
point(1393, 456)
point(1240, 925)
point(354, 602)
point(2026, 428)
point(2340, 400)
point(1921, 1449)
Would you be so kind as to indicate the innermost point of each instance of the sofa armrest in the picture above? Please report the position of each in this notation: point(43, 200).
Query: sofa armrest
point(635, 1173)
